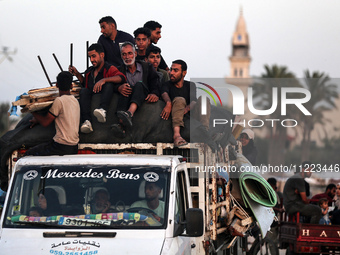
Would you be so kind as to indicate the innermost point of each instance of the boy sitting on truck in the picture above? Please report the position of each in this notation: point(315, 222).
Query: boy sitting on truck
point(323, 203)
point(65, 111)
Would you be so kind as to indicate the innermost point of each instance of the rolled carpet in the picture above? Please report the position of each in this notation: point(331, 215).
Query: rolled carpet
point(259, 196)
point(257, 189)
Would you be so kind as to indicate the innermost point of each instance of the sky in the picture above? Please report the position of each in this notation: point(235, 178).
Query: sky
point(300, 34)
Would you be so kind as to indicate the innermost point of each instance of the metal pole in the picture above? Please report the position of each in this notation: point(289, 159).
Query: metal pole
point(71, 54)
point(87, 58)
point(55, 57)
point(43, 67)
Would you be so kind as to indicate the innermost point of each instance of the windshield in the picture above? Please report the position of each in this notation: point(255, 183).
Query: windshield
point(89, 197)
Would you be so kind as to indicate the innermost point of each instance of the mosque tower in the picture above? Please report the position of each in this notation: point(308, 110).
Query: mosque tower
point(240, 58)
point(240, 61)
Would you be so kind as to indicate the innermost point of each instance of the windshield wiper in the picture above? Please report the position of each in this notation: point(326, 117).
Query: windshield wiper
point(79, 234)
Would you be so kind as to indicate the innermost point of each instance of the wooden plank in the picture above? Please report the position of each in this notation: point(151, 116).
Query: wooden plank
point(36, 106)
point(38, 99)
point(247, 221)
point(45, 94)
point(23, 101)
point(42, 89)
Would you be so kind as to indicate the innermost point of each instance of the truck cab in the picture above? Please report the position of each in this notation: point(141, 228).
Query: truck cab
point(72, 221)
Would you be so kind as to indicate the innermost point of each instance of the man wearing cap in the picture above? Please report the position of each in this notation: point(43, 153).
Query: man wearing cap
point(248, 147)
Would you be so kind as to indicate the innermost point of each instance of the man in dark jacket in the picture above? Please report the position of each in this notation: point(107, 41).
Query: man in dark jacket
point(111, 39)
point(142, 85)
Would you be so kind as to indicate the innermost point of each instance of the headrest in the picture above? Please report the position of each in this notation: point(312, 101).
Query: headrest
point(60, 192)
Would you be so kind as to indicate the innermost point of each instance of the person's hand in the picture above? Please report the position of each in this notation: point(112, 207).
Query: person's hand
point(107, 207)
point(33, 122)
point(152, 98)
point(156, 217)
point(166, 111)
point(125, 89)
point(73, 70)
point(98, 86)
point(187, 109)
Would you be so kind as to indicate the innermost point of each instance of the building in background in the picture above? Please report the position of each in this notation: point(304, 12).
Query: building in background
point(240, 62)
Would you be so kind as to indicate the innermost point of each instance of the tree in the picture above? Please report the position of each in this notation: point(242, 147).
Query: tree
point(322, 99)
point(4, 119)
point(275, 77)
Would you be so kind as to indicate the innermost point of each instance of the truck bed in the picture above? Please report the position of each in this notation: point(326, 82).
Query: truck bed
point(306, 238)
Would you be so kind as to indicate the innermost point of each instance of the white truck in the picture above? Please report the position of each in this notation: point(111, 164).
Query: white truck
point(75, 228)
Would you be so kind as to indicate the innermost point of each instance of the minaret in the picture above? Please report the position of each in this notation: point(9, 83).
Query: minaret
point(240, 61)
point(240, 58)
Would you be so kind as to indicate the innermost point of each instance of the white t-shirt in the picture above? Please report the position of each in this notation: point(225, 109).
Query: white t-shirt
point(66, 111)
point(143, 203)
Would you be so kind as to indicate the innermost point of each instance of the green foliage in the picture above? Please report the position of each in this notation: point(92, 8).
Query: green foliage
point(275, 78)
point(4, 119)
point(323, 94)
point(325, 155)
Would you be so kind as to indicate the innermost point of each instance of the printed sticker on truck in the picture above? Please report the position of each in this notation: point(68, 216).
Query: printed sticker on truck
point(75, 247)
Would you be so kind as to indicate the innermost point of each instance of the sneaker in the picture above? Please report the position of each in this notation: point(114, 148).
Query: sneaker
point(100, 115)
point(126, 117)
point(86, 127)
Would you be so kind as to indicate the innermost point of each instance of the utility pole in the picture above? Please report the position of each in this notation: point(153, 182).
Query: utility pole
point(6, 53)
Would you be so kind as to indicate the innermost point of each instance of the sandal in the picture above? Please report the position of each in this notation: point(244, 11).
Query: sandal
point(118, 130)
point(126, 117)
point(179, 141)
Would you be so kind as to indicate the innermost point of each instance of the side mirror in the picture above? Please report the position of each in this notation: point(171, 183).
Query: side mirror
point(194, 222)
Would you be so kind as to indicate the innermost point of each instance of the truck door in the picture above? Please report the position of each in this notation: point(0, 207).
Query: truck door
point(182, 203)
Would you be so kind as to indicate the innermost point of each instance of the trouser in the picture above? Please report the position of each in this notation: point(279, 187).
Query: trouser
point(178, 107)
point(138, 95)
point(336, 217)
point(52, 148)
point(85, 98)
point(308, 210)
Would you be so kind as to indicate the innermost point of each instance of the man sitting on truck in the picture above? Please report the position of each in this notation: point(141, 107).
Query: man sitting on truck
point(180, 99)
point(65, 112)
point(111, 39)
point(152, 202)
point(99, 78)
point(142, 38)
point(142, 85)
point(329, 195)
point(294, 195)
point(153, 56)
point(155, 29)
